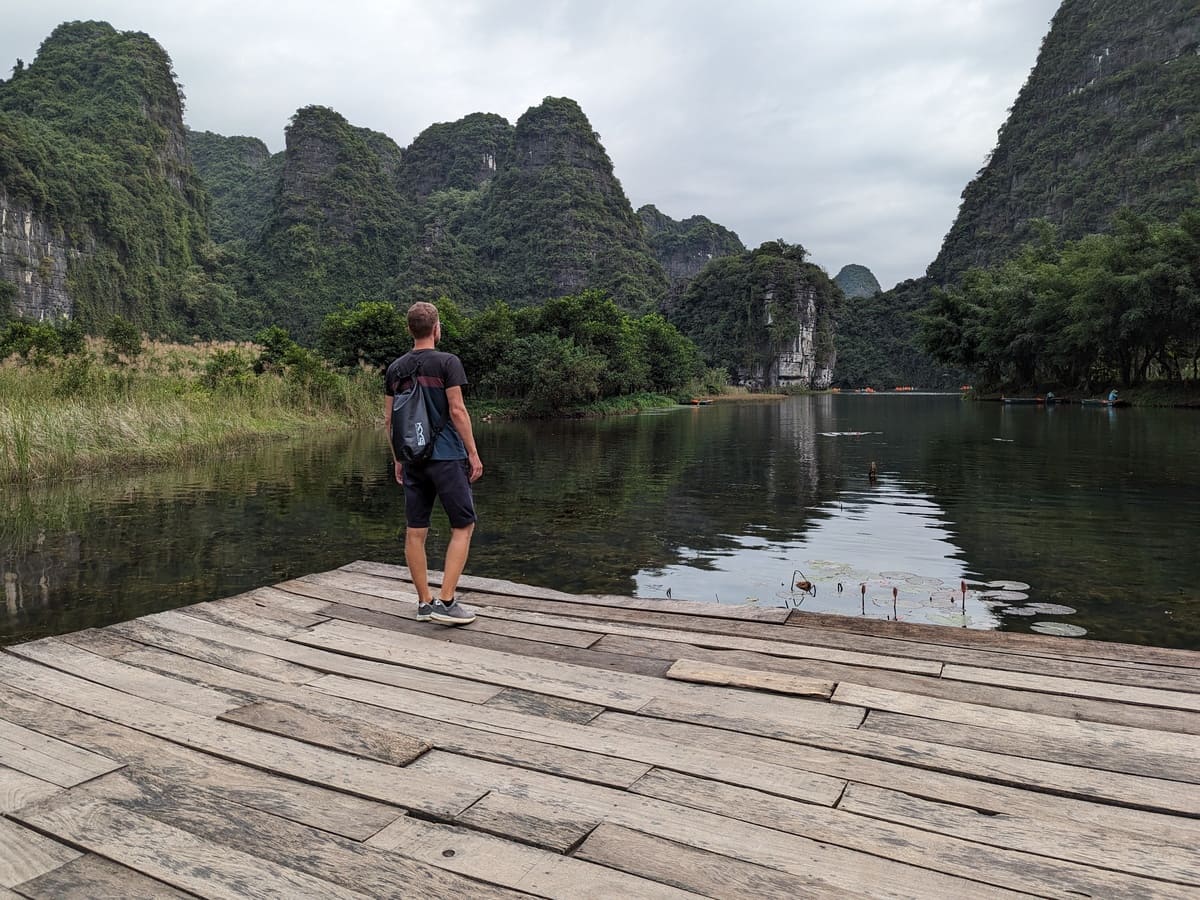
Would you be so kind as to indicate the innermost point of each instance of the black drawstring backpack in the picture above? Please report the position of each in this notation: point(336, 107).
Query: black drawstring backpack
point(415, 422)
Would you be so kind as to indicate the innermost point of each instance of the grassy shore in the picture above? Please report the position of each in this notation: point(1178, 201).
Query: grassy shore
point(92, 411)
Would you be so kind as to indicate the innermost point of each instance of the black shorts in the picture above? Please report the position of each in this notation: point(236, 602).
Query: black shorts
point(449, 479)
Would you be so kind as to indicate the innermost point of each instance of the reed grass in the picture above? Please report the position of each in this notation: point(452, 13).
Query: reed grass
point(85, 413)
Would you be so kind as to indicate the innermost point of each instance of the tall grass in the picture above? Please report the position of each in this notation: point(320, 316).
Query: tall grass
point(84, 413)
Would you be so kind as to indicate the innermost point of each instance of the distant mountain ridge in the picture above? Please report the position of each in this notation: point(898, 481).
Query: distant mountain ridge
point(857, 281)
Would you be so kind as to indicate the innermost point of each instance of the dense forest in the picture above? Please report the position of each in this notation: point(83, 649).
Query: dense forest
point(1107, 120)
point(1116, 308)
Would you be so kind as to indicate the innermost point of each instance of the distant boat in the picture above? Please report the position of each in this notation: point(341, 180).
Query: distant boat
point(1101, 401)
point(1024, 399)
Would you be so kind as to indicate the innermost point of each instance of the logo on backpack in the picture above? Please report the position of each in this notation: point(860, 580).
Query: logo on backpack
point(415, 422)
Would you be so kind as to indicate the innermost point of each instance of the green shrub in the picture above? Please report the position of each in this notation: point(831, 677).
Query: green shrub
point(123, 341)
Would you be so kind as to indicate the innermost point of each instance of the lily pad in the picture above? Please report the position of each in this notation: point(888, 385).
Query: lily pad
point(1018, 611)
point(1010, 596)
point(1009, 585)
point(1052, 609)
point(1060, 629)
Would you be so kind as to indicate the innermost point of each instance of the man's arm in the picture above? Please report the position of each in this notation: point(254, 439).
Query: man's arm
point(387, 429)
point(462, 424)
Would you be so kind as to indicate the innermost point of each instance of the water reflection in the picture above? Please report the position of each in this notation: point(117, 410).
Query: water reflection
point(1088, 517)
point(885, 552)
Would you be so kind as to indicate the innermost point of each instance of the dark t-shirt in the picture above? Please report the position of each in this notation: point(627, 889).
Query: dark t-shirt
point(438, 371)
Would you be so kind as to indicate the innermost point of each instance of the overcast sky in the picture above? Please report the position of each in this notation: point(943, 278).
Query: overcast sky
point(850, 127)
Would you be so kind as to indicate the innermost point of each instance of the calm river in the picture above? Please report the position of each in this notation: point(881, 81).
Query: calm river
point(1069, 519)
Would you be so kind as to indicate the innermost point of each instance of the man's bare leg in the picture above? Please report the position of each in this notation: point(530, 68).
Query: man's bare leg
point(456, 560)
point(418, 566)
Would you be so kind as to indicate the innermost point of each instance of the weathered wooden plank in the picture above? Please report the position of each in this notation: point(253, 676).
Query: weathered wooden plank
point(460, 739)
point(1076, 687)
point(330, 810)
point(709, 874)
point(731, 676)
point(546, 706)
point(904, 771)
point(469, 637)
point(1028, 643)
point(708, 761)
point(325, 730)
point(529, 821)
point(496, 586)
point(175, 856)
point(278, 599)
point(180, 645)
point(259, 608)
point(394, 674)
point(92, 877)
point(851, 870)
point(130, 679)
point(405, 608)
point(616, 691)
point(681, 632)
point(957, 851)
point(25, 854)
point(284, 756)
point(18, 789)
point(271, 842)
point(1078, 751)
point(49, 759)
point(1133, 740)
point(512, 865)
point(1114, 671)
point(100, 641)
point(1094, 846)
point(244, 617)
point(1047, 704)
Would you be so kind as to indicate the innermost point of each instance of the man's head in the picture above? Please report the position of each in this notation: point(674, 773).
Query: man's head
point(422, 320)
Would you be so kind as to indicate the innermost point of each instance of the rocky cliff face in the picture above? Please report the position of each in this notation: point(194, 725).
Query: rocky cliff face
point(241, 176)
point(463, 155)
point(1109, 118)
point(102, 212)
point(557, 220)
point(332, 170)
point(35, 257)
point(685, 247)
point(801, 362)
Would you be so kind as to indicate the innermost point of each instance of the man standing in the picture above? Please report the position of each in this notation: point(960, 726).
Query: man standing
point(447, 474)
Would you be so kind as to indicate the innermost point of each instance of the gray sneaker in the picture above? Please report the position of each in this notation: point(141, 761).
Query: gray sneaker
point(452, 613)
point(424, 611)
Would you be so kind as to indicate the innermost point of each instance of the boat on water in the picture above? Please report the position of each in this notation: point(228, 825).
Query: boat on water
point(1048, 399)
point(1101, 401)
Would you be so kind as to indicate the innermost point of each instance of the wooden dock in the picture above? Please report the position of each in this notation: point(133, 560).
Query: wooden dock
point(313, 740)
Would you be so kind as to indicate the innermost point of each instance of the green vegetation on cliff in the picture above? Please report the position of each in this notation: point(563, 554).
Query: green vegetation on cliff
point(557, 221)
point(685, 247)
point(91, 141)
point(1110, 308)
point(1107, 120)
point(241, 176)
point(743, 310)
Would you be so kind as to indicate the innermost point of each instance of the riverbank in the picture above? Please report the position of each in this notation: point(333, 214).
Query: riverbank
point(62, 417)
point(1165, 394)
point(172, 403)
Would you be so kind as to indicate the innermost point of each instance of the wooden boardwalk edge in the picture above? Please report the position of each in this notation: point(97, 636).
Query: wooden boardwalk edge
point(313, 739)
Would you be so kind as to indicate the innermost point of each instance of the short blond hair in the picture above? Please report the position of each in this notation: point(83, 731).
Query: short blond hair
point(422, 319)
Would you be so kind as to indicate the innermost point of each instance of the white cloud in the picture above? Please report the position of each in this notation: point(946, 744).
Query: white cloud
point(850, 128)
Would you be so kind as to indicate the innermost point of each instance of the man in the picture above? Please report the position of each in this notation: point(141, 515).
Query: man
point(447, 474)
